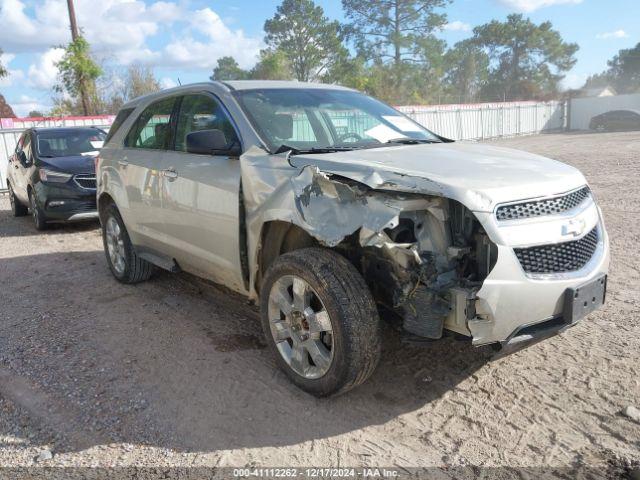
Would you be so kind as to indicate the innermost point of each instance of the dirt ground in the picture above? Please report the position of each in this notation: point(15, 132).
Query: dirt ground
point(174, 373)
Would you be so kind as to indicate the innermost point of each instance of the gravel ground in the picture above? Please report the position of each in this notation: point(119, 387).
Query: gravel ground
point(173, 372)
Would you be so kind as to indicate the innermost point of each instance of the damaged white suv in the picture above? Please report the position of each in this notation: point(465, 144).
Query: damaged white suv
point(327, 206)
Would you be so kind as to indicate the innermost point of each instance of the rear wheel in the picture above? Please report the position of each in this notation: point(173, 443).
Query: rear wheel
point(17, 208)
point(39, 218)
point(124, 262)
point(321, 321)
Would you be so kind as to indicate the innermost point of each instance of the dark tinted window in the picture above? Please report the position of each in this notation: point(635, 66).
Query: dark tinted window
point(202, 112)
point(152, 128)
point(117, 123)
point(68, 142)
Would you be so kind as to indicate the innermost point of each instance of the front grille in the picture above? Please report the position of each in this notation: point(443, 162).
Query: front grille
point(561, 257)
point(86, 181)
point(550, 206)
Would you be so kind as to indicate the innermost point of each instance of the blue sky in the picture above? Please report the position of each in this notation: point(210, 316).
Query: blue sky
point(182, 39)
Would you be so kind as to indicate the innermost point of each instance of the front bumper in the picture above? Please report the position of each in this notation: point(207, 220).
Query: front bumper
point(66, 203)
point(510, 300)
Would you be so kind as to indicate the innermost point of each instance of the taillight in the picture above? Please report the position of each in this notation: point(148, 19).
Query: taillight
point(96, 161)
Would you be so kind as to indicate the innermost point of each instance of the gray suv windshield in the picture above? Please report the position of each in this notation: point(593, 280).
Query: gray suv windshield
point(319, 120)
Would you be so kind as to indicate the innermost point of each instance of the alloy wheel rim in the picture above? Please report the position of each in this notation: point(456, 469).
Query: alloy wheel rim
point(301, 327)
point(115, 245)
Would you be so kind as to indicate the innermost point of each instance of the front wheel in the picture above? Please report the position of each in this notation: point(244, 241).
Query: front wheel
point(124, 262)
point(17, 208)
point(321, 321)
point(39, 218)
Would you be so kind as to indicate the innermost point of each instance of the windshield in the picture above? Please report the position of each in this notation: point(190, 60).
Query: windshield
point(315, 119)
point(66, 143)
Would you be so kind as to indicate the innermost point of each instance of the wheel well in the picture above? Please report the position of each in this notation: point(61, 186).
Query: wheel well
point(103, 202)
point(279, 238)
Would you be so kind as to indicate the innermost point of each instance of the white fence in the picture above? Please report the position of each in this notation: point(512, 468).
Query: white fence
point(584, 109)
point(458, 122)
point(489, 120)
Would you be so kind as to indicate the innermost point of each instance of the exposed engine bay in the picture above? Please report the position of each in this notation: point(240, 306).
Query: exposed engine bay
point(429, 267)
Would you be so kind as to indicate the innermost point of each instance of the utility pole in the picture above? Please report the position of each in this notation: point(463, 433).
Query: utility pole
point(84, 96)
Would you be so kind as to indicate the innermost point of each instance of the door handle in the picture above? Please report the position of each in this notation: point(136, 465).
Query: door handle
point(123, 163)
point(170, 174)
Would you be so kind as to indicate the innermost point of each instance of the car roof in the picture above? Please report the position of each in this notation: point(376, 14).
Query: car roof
point(232, 86)
point(267, 84)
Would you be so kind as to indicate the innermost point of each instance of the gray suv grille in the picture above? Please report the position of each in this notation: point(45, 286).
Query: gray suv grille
point(550, 206)
point(561, 257)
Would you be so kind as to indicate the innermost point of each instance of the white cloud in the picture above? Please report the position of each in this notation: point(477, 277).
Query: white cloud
point(527, 6)
point(220, 41)
point(573, 81)
point(114, 28)
point(26, 104)
point(13, 76)
point(457, 26)
point(118, 31)
point(43, 74)
point(615, 34)
point(167, 82)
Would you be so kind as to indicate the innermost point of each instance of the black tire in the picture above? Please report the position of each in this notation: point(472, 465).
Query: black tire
point(352, 311)
point(17, 208)
point(135, 268)
point(38, 215)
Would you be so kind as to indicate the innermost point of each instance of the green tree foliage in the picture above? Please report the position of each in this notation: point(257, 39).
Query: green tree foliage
point(527, 60)
point(228, 69)
point(78, 71)
point(310, 42)
point(273, 65)
point(467, 70)
point(398, 38)
point(623, 73)
point(35, 114)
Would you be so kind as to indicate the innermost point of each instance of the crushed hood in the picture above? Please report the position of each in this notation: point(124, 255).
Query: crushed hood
point(478, 176)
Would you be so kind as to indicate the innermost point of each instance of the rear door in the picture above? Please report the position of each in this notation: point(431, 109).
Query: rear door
point(200, 196)
point(145, 147)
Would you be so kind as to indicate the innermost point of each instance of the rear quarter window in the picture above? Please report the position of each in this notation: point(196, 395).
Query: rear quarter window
point(117, 123)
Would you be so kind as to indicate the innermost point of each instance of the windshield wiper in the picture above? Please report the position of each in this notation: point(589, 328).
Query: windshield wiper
point(411, 141)
point(286, 148)
point(296, 151)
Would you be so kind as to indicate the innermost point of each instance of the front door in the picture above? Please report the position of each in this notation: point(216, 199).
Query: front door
point(200, 196)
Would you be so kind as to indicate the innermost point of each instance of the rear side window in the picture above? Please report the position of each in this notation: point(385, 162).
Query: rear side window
point(117, 123)
point(152, 128)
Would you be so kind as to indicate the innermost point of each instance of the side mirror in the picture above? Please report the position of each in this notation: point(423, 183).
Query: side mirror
point(211, 142)
point(23, 159)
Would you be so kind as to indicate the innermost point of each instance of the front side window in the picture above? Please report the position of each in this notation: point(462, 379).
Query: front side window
point(152, 129)
point(202, 112)
point(69, 142)
point(310, 118)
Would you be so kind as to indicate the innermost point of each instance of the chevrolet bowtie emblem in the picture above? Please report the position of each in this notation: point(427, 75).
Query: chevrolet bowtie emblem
point(573, 227)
